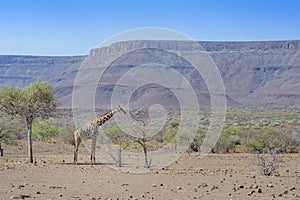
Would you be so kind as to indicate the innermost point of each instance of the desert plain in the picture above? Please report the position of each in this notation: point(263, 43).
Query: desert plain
point(216, 176)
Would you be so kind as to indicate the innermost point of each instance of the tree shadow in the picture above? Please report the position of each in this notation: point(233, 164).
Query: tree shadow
point(87, 163)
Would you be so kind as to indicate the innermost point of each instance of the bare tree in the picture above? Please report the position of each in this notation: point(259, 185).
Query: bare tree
point(118, 138)
point(142, 140)
point(268, 161)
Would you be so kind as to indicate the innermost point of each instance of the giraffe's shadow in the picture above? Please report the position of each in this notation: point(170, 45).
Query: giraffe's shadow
point(89, 164)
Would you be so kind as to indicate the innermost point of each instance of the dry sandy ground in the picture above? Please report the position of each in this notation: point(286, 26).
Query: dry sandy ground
point(53, 176)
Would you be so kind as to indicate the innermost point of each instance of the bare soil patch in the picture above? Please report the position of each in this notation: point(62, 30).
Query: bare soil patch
point(217, 176)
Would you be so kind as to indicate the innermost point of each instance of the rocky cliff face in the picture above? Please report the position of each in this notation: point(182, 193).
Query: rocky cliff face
point(264, 74)
point(255, 74)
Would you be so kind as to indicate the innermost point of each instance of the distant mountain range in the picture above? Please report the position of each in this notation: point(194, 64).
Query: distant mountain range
point(262, 74)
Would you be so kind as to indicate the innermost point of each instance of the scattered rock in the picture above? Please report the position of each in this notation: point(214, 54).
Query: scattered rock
point(252, 192)
point(55, 187)
point(204, 185)
point(214, 187)
point(293, 188)
point(259, 190)
point(22, 196)
point(21, 186)
point(285, 192)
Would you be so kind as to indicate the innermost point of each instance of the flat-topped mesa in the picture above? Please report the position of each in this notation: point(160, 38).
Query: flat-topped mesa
point(125, 46)
point(255, 73)
point(251, 45)
point(140, 44)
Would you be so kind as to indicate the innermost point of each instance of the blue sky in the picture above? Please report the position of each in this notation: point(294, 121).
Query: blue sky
point(73, 27)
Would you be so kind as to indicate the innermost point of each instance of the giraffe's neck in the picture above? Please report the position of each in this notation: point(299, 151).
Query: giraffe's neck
point(103, 118)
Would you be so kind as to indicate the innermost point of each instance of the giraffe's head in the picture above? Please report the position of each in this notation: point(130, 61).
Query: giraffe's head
point(120, 109)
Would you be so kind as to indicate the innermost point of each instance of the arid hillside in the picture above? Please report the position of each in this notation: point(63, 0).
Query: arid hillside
point(255, 74)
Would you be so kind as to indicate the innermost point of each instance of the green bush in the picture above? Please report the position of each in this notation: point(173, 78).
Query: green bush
point(171, 132)
point(196, 144)
point(68, 139)
point(225, 144)
point(268, 138)
point(229, 138)
point(66, 133)
point(8, 130)
point(169, 135)
point(275, 124)
point(174, 124)
point(118, 137)
point(6, 137)
point(45, 130)
point(198, 139)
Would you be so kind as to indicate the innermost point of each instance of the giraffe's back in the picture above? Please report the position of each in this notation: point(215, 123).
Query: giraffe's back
point(86, 131)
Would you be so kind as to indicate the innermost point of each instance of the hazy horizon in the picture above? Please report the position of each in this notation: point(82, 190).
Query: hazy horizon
point(44, 55)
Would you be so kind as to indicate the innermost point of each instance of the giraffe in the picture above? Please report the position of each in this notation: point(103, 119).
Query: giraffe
point(90, 130)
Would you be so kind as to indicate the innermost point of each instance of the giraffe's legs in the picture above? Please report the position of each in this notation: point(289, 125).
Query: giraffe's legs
point(93, 150)
point(77, 141)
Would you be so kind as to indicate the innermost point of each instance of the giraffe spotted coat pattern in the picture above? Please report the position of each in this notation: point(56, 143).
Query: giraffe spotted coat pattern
point(90, 130)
